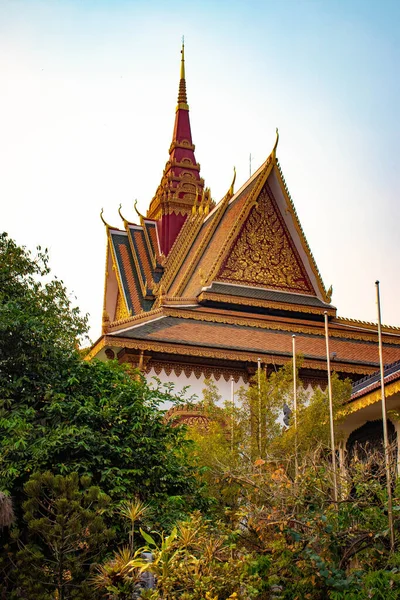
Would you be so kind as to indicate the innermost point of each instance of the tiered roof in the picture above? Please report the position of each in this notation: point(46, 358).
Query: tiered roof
point(231, 282)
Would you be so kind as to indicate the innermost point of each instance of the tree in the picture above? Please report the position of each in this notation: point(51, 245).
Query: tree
point(61, 414)
point(65, 533)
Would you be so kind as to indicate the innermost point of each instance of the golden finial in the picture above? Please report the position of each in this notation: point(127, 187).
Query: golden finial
point(120, 214)
point(183, 58)
point(182, 99)
point(141, 217)
point(105, 222)
point(233, 182)
point(276, 142)
point(329, 294)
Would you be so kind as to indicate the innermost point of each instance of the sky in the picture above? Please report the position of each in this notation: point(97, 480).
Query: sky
point(87, 106)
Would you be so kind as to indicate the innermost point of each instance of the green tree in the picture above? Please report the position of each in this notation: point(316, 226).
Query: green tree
point(65, 533)
point(61, 414)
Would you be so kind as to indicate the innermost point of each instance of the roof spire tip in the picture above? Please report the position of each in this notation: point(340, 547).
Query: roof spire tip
point(183, 58)
point(276, 141)
point(182, 99)
point(233, 182)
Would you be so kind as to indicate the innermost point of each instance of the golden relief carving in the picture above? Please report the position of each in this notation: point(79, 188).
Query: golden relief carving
point(121, 311)
point(263, 254)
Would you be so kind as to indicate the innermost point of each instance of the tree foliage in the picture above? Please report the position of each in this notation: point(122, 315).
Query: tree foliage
point(61, 414)
point(64, 533)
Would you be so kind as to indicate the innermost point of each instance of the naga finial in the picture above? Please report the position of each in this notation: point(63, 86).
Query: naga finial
point(102, 218)
point(136, 210)
point(329, 294)
point(120, 214)
point(104, 221)
point(276, 142)
point(233, 182)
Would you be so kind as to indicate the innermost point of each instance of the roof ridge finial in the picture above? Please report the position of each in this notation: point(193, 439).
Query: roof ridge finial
point(108, 226)
point(120, 214)
point(141, 217)
point(182, 98)
point(276, 142)
point(233, 182)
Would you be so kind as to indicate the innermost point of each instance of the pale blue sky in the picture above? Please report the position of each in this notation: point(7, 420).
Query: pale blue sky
point(87, 108)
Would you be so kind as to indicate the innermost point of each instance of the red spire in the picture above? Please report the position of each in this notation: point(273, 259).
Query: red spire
point(181, 185)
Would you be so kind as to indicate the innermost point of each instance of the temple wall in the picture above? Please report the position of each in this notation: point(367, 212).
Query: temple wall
point(196, 384)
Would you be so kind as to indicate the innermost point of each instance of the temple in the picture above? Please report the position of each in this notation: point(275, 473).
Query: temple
point(197, 289)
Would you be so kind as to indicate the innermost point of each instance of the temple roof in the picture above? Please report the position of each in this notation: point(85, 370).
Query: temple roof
point(235, 277)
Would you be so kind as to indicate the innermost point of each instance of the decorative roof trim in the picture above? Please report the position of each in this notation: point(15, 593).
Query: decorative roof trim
point(300, 231)
point(248, 204)
point(372, 397)
point(217, 216)
point(227, 354)
point(143, 317)
point(181, 247)
point(366, 324)
point(240, 300)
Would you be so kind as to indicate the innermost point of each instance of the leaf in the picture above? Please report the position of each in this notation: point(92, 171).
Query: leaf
point(148, 538)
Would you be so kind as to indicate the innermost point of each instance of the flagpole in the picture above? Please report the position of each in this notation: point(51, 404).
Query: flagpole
point(296, 464)
point(233, 411)
point(259, 404)
point(384, 419)
point(328, 362)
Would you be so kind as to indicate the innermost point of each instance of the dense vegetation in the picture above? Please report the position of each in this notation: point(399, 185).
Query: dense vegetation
point(91, 477)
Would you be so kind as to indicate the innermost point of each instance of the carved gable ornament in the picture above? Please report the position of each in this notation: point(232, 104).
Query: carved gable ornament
point(264, 254)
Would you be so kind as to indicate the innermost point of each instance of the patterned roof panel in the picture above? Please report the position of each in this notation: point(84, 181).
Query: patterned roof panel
point(127, 271)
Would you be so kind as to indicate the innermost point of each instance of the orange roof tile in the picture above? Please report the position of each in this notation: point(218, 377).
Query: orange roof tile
point(260, 340)
point(143, 258)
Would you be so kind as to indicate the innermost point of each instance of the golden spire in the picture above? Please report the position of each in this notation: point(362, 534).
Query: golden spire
point(182, 99)
point(183, 59)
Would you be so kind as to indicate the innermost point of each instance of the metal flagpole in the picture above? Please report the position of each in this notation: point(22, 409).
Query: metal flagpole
point(233, 410)
point(296, 464)
point(384, 419)
point(328, 361)
point(259, 404)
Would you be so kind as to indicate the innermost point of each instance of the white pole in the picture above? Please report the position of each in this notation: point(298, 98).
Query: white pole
point(259, 405)
point(296, 463)
point(233, 410)
point(328, 361)
point(384, 419)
